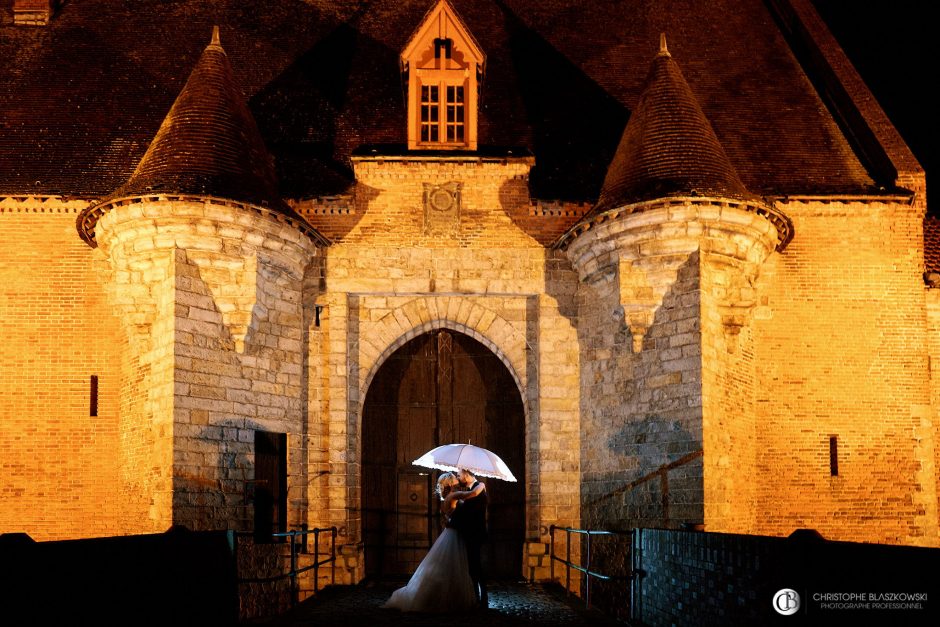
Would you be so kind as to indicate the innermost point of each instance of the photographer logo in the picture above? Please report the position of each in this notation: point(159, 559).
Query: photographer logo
point(787, 602)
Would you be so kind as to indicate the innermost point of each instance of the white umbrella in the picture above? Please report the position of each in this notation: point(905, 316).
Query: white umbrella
point(476, 459)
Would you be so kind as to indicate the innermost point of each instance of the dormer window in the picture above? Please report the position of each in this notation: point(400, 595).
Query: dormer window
point(442, 66)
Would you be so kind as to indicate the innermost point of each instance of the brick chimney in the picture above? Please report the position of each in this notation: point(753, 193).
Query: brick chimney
point(33, 12)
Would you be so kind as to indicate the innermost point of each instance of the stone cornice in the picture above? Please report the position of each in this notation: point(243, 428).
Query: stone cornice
point(439, 158)
point(638, 255)
point(85, 224)
point(35, 203)
point(780, 221)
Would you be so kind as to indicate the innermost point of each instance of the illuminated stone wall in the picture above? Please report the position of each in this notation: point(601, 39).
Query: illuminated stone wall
point(666, 377)
point(218, 323)
point(931, 425)
point(640, 410)
point(221, 344)
point(841, 349)
point(826, 339)
point(61, 477)
point(472, 263)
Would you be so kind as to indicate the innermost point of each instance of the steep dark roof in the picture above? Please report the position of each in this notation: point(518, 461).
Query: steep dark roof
point(208, 143)
point(931, 244)
point(82, 98)
point(668, 147)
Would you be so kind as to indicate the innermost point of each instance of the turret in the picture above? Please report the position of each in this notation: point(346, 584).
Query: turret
point(670, 191)
point(205, 185)
point(207, 265)
point(673, 248)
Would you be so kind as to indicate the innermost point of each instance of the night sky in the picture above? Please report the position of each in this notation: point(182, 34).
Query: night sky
point(888, 44)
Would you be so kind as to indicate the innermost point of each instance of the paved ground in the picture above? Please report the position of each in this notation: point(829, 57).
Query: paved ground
point(511, 605)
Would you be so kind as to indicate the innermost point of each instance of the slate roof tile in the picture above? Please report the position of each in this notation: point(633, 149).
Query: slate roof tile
point(668, 147)
point(81, 99)
point(931, 244)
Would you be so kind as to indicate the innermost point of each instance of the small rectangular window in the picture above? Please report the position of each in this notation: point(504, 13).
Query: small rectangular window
point(93, 396)
point(834, 455)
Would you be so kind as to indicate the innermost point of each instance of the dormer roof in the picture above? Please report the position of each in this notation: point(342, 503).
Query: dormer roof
point(443, 18)
point(668, 147)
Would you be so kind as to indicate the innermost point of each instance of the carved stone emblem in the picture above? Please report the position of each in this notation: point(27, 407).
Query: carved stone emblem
point(442, 208)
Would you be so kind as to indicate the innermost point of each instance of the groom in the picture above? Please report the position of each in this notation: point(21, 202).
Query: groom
point(469, 520)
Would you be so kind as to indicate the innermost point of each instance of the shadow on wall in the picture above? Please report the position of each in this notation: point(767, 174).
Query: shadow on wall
point(304, 114)
point(653, 496)
point(648, 471)
point(660, 496)
point(179, 577)
point(576, 125)
point(642, 449)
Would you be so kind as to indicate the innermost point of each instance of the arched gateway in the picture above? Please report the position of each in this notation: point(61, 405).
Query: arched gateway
point(438, 388)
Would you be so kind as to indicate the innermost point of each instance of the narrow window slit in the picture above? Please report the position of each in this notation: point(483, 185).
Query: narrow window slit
point(93, 396)
point(834, 455)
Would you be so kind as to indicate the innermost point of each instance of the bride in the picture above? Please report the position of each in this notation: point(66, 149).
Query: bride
point(441, 582)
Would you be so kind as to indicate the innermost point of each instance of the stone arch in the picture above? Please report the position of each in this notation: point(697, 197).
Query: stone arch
point(461, 314)
point(373, 341)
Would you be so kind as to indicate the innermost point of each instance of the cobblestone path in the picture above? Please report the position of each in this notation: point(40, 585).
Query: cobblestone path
point(511, 605)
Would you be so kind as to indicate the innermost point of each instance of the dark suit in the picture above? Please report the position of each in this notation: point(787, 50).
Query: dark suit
point(469, 520)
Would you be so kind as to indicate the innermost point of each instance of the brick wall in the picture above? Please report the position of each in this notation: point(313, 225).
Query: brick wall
point(840, 347)
point(663, 299)
point(684, 384)
point(828, 338)
point(261, 561)
point(931, 426)
point(61, 477)
point(729, 383)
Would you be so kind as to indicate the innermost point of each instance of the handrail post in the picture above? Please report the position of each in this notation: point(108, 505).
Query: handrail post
point(333, 553)
point(235, 549)
point(587, 584)
point(293, 567)
point(551, 555)
point(316, 560)
point(634, 578)
point(567, 561)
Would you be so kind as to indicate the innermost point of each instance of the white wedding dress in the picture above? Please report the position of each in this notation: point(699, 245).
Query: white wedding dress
point(441, 582)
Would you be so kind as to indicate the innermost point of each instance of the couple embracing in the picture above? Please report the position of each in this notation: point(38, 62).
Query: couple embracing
point(450, 578)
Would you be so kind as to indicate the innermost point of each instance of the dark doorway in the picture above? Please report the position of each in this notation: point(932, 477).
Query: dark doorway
point(270, 484)
point(439, 388)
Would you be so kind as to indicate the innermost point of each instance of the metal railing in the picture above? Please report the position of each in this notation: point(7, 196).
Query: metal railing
point(586, 569)
point(296, 548)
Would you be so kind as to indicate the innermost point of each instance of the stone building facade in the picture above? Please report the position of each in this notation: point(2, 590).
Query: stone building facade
point(720, 322)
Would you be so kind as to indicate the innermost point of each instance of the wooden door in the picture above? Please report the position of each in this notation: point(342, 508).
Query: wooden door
point(270, 502)
point(439, 388)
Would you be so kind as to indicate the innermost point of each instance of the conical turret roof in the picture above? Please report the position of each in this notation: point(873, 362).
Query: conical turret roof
point(209, 143)
point(668, 147)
